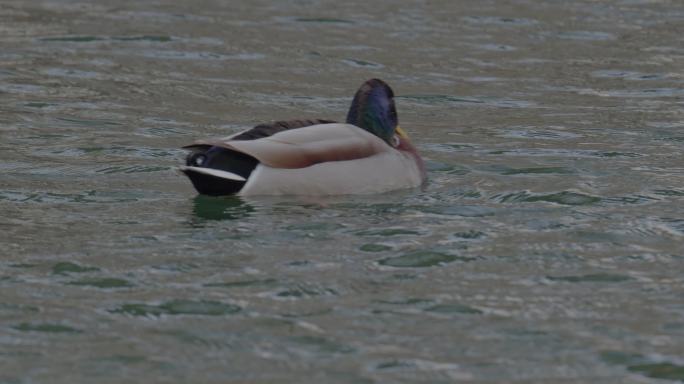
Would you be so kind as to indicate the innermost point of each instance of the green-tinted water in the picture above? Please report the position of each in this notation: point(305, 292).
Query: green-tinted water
point(546, 247)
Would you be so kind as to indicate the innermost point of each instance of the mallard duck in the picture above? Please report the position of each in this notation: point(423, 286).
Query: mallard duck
point(369, 153)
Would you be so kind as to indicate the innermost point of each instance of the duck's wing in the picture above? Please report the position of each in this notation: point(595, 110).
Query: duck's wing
point(306, 146)
point(264, 130)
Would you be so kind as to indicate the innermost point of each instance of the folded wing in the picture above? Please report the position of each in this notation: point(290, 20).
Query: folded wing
point(303, 147)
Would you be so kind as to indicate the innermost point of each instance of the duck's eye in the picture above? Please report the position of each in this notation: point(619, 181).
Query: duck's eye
point(395, 141)
point(197, 159)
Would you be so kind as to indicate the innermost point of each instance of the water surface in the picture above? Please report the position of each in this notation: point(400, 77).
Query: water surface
point(546, 246)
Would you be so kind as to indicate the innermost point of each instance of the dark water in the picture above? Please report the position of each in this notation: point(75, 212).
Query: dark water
point(547, 246)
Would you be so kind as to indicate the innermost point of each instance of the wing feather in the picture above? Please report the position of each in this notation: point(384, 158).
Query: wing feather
point(303, 147)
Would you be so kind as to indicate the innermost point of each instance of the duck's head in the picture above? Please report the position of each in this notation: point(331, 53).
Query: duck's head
point(373, 110)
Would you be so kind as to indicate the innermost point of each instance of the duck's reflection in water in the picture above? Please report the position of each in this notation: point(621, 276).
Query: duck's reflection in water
point(221, 208)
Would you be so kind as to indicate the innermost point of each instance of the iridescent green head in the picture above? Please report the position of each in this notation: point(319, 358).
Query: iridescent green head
point(373, 109)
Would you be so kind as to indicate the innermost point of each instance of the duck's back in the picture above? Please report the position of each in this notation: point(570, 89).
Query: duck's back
point(270, 129)
point(205, 157)
point(326, 159)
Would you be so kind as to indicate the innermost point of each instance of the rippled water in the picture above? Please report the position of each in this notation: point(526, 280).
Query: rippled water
point(546, 247)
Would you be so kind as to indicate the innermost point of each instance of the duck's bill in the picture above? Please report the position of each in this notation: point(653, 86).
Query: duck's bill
point(401, 133)
point(212, 172)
